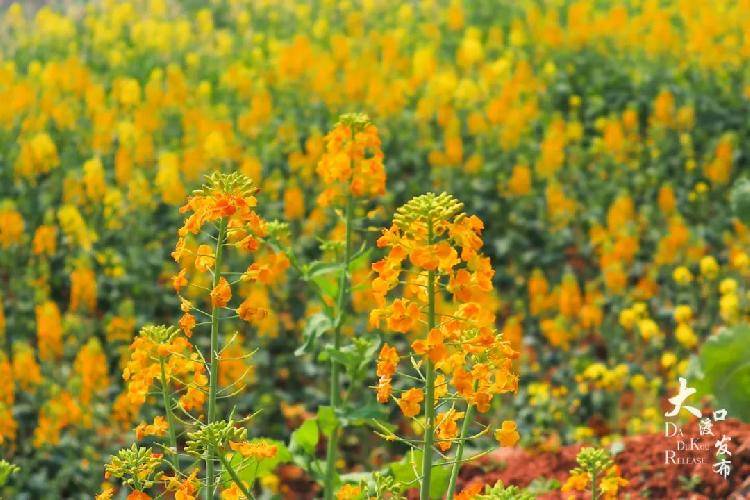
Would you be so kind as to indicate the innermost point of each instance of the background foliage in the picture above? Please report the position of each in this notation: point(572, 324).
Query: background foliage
point(598, 140)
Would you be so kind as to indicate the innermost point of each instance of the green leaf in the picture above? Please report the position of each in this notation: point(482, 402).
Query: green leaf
point(318, 470)
point(345, 356)
point(249, 469)
point(317, 325)
point(725, 366)
point(366, 414)
point(360, 257)
point(327, 420)
point(740, 200)
point(355, 358)
point(409, 469)
point(306, 436)
point(317, 269)
point(357, 477)
point(328, 287)
point(441, 476)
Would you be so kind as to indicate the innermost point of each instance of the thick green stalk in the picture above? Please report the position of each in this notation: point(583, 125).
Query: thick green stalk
point(429, 402)
point(170, 416)
point(594, 495)
point(214, 361)
point(460, 451)
point(335, 384)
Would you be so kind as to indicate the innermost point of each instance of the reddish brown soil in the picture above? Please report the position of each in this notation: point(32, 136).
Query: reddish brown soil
point(642, 462)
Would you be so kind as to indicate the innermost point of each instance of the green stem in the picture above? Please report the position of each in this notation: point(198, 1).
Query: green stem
point(214, 361)
point(593, 486)
point(235, 477)
point(460, 451)
point(335, 384)
point(429, 428)
point(170, 417)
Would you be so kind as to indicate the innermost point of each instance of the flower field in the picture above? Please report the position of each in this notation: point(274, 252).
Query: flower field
point(374, 249)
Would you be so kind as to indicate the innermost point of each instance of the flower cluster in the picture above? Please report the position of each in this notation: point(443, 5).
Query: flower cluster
point(353, 161)
point(228, 202)
point(8, 424)
point(184, 370)
point(445, 309)
point(597, 473)
point(189, 380)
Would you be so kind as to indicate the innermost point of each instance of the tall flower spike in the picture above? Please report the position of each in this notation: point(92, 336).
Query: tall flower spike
point(221, 216)
point(351, 168)
point(353, 160)
point(228, 200)
point(447, 309)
